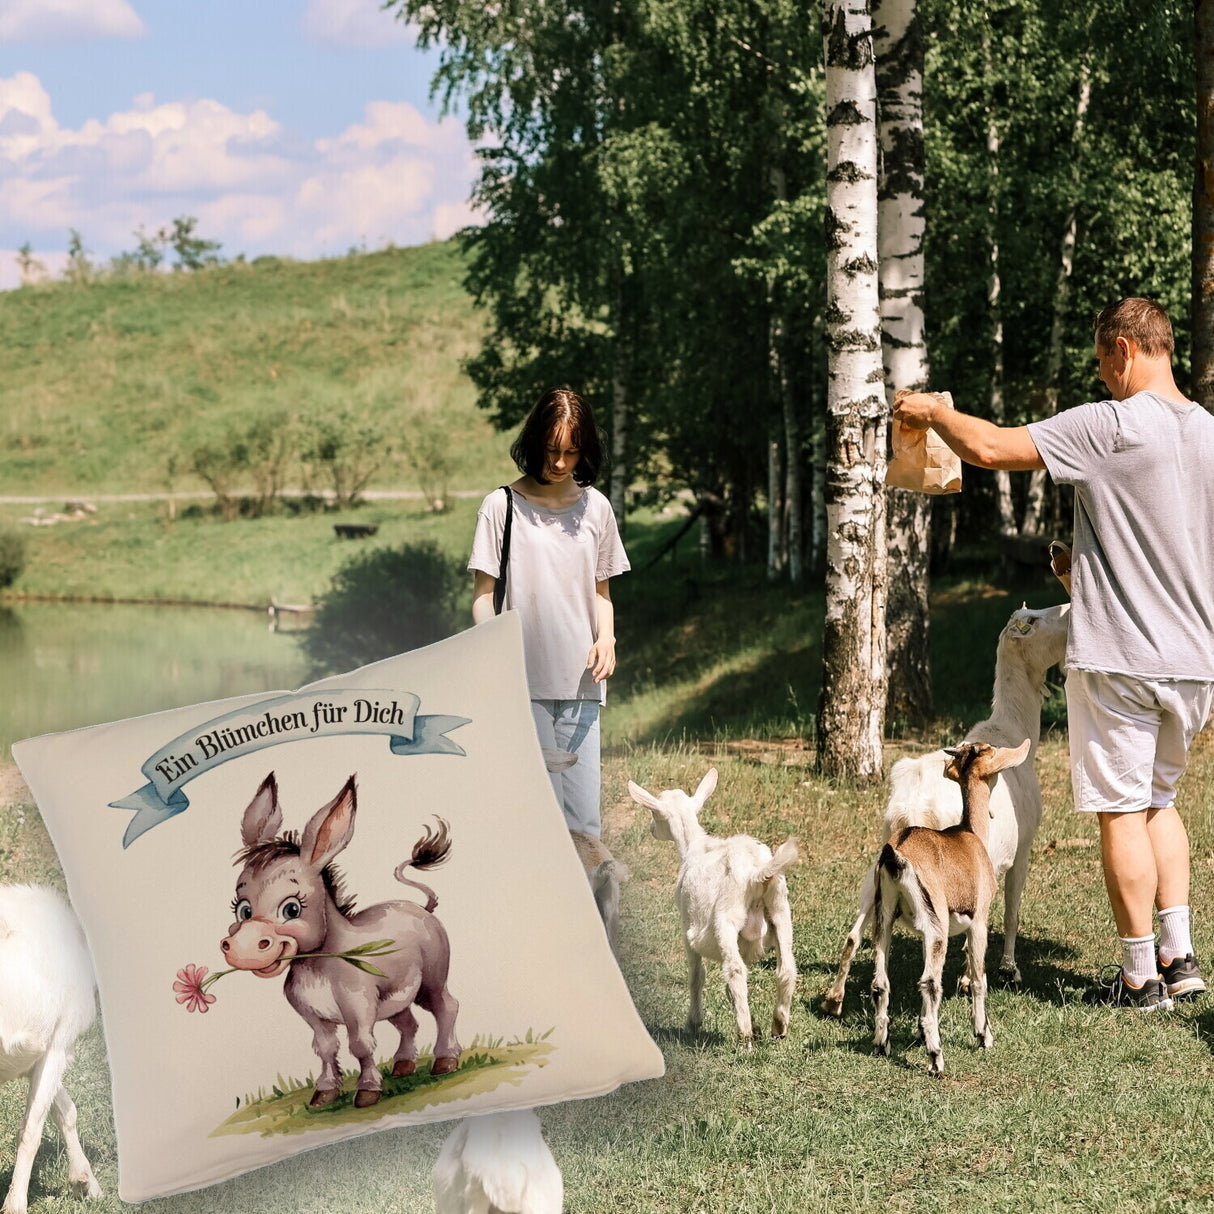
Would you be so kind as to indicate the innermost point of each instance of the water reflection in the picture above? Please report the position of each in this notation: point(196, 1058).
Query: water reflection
point(67, 665)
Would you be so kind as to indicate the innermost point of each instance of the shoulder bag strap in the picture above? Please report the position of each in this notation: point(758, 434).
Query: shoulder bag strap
point(499, 589)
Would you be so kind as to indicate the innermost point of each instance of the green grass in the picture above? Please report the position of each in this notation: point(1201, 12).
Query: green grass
point(107, 387)
point(1075, 1107)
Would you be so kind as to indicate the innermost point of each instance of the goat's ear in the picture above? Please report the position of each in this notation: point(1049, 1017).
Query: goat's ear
point(705, 788)
point(641, 797)
point(331, 828)
point(263, 816)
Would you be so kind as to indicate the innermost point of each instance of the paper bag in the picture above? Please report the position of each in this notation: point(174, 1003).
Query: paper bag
point(921, 459)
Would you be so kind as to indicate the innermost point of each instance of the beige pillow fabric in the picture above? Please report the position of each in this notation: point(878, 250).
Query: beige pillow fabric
point(238, 984)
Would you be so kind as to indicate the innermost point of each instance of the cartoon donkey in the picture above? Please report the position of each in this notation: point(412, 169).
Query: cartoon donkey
point(290, 901)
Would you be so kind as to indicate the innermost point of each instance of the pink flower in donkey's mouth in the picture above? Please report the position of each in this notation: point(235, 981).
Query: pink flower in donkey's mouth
point(190, 988)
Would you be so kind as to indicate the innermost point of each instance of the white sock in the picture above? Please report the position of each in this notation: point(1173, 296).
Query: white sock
point(1174, 938)
point(1138, 958)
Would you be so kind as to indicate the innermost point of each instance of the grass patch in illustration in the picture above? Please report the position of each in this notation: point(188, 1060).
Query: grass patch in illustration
point(485, 1065)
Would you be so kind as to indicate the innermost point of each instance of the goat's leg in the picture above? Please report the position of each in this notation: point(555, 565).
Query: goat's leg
point(977, 964)
point(695, 983)
point(931, 984)
point(46, 1078)
point(80, 1174)
point(786, 965)
point(883, 930)
point(832, 1001)
point(739, 995)
point(328, 1082)
point(1013, 888)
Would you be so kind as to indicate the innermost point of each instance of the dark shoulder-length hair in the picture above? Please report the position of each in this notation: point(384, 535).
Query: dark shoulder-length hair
point(556, 409)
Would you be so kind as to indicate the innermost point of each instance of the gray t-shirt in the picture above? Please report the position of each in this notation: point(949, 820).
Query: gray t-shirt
point(556, 557)
point(1142, 577)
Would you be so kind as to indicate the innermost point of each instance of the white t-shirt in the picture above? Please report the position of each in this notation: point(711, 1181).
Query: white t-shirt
point(1142, 573)
point(556, 557)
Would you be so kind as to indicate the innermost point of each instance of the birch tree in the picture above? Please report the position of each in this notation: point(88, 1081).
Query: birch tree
point(852, 705)
point(899, 66)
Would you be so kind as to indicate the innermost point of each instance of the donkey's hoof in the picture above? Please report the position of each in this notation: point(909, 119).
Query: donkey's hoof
point(444, 1066)
point(323, 1096)
point(405, 1067)
point(364, 1099)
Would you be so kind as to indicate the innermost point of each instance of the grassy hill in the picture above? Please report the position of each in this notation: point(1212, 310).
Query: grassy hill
point(109, 386)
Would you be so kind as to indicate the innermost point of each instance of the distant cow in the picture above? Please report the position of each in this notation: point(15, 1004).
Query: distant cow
point(291, 910)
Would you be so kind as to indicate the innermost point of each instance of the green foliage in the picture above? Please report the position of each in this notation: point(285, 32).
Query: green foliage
point(79, 270)
point(192, 252)
point(342, 451)
point(12, 556)
point(382, 602)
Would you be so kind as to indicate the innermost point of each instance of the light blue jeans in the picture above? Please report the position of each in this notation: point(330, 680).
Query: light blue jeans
point(573, 726)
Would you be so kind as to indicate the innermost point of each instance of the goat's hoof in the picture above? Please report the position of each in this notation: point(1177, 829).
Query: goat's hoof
point(936, 1067)
point(405, 1067)
point(963, 987)
point(365, 1098)
point(85, 1186)
point(323, 1096)
point(779, 1026)
point(986, 1038)
point(832, 1006)
point(745, 1045)
point(881, 1049)
point(1009, 975)
point(444, 1066)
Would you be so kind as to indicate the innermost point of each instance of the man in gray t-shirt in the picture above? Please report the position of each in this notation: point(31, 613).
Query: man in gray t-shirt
point(1140, 655)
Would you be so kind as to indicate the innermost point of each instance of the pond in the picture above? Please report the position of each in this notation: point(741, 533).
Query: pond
point(67, 665)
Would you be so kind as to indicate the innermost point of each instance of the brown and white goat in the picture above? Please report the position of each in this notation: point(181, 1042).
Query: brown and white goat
point(919, 795)
point(940, 883)
point(733, 900)
point(605, 874)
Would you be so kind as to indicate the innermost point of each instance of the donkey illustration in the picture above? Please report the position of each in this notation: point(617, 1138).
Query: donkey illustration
point(290, 902)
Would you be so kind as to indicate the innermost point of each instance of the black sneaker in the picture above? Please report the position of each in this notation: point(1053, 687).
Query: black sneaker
point(1151, 996)
point(1182, 977)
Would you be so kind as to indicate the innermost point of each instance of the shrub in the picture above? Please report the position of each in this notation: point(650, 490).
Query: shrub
point(384, 602)
point(12, 557)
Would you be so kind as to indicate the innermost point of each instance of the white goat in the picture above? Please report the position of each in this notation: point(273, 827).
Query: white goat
point(46, 1002)
point(733, 900)
point(497, 1164)
point(1030, 643)
point(605, 874)
point(940, 883)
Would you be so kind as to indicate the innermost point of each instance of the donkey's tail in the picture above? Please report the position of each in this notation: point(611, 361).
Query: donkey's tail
point(431, 850)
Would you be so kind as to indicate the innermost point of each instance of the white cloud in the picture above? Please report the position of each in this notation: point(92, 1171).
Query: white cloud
point(355, 23)
point(68, 20)
point(395, 177)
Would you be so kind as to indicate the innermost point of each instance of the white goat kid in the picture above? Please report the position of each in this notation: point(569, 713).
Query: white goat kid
point(733, 900)
point(941, 883)
point(1030, 643)
point(46, 1002)
point(498, 1163)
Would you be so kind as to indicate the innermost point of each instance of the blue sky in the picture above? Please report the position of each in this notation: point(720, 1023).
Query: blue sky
point(297, 127)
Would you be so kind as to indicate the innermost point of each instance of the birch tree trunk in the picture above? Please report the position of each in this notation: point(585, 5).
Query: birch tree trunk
point(899, 66)
point(1203, 211)
point(1003, 482)
point(851, 709)
point(1062, 292)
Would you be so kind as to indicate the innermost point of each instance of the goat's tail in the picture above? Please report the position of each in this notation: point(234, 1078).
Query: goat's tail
point(787, 854)
point(431, 850)
point(912, 896)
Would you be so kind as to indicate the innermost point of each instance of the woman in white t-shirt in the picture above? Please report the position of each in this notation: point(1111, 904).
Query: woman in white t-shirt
point(564, 547)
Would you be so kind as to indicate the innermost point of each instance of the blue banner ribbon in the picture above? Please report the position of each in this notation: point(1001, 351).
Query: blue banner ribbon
point(281, 719)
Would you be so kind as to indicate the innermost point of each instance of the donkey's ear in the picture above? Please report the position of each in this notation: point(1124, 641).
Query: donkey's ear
point(263, 816)
point(330, 829)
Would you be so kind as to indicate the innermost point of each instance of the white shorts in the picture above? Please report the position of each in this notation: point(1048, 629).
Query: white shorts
point(1130, 738)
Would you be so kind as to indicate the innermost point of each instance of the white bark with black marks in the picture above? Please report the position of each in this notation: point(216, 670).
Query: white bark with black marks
point(852, 705)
